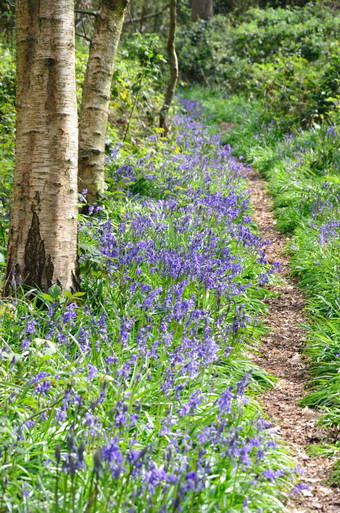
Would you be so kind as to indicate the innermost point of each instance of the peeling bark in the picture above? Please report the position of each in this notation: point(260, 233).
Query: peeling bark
point(202, 9)
point(173, 61)
point(96, 96)
point(42, 244)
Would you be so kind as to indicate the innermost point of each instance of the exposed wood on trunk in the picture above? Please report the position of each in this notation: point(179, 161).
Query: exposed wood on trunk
point(96, 95)
point(42, 246)
point(202, 9)
point(173, 61)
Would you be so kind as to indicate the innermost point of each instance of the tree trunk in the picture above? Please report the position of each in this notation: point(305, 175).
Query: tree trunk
point(202, 9)
point(42, 243)
point(173, 61)
point(96, 95)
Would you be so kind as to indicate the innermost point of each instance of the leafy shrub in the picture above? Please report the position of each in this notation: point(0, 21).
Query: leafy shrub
point(200, 48)
point(137, 89)
point(287, 57)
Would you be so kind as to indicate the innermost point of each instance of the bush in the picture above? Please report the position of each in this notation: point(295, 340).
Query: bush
point(287, 57)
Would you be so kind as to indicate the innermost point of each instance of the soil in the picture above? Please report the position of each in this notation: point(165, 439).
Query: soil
point(281, 354)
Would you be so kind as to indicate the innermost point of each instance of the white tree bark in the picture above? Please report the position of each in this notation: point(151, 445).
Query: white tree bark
point(96, 96)
point(42, 247)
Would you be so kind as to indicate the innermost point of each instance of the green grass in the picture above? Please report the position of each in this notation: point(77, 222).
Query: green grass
point(115, 401)
point(100, 412)
point(302, 169)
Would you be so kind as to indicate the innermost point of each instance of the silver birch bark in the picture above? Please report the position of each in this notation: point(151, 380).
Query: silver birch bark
point(202, 9)
point(94, 109)
point(42, 244)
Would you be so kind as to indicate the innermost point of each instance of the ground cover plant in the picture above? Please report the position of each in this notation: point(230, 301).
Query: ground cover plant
point(299, 156)
point(303, 173)
point(136, 394)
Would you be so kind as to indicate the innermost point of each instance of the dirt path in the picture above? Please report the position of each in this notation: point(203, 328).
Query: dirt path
point(282, 357)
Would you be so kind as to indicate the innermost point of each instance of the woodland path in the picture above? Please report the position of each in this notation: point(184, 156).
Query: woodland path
point(281, 355)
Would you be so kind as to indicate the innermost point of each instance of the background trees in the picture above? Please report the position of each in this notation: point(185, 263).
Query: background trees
point(42, 241)
point(202, 9)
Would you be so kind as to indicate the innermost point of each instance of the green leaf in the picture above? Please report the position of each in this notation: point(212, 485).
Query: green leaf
point(54, 291)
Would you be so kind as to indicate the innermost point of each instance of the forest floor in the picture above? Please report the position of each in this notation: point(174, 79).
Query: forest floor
point(281, 355)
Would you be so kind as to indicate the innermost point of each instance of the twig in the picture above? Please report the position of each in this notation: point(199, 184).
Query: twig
point(88, 13)
point(84, 30)
point(84, 37)
point(131, 20)
point(147, 16)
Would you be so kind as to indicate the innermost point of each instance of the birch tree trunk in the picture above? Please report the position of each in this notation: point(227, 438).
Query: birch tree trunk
point(42, 245)
point(173, 61)
point(202, 9)
point(96, 95)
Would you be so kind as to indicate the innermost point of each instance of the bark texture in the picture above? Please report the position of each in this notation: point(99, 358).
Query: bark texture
point(42, 245)
point(173, 61)
point(202, 9)
point(96, 95)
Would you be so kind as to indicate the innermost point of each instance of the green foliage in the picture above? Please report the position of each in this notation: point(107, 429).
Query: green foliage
point(7, 125)
point(283, 59)
point(288, 58)
point(266, 33)
point(303, 169)
point(76, 380)
point(201, 47)
point(82, 54)
point(137, 88)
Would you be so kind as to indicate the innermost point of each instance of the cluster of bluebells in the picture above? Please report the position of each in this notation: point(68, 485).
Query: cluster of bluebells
point(329, 232)
point(136, 388)
point(318, 203)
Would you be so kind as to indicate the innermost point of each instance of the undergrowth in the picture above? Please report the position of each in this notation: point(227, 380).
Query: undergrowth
point(302, 167)
point(284, 120)
point(137, 394)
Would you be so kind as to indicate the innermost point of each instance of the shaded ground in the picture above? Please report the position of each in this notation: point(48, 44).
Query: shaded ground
point(281, 355)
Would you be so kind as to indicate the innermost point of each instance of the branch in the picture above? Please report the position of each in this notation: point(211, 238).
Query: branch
point(153, 15)
point(89, 13)
point(84, 37)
